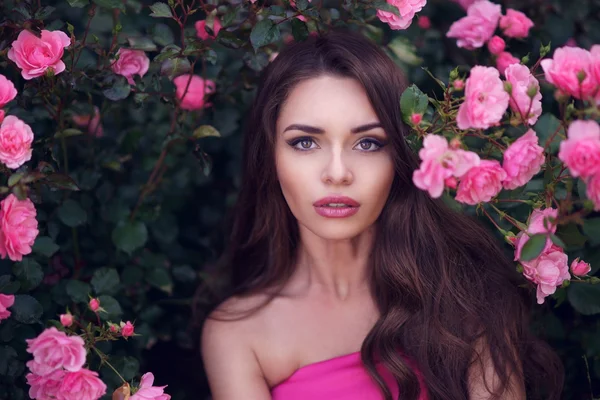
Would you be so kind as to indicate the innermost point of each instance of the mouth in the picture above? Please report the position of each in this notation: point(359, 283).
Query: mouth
point(336, 207)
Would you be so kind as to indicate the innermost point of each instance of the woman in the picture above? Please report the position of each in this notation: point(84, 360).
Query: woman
point(346, 281)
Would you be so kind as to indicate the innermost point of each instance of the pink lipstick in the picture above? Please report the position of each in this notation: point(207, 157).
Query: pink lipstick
point(336, 207)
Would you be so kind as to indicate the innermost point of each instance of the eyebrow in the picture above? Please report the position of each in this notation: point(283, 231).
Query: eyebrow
point(315, 130)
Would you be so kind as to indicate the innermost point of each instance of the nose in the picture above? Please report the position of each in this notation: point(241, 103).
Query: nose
point(337, 171)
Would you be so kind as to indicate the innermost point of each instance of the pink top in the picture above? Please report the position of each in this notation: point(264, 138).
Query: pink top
point(342, 377)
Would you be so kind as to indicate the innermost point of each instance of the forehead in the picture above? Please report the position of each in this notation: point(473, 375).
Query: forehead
point(327, 101)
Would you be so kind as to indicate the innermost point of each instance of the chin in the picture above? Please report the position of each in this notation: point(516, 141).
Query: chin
point(337, 230)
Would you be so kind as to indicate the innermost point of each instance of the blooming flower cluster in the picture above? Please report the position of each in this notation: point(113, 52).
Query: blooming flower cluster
point(407, 10)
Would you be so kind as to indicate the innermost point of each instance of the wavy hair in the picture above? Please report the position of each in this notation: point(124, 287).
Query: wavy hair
point(440, 279)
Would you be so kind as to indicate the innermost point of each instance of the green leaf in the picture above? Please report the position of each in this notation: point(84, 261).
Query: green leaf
point(184, 273)
point(110, 4)
point(118, 91)
point(545, 127)
point(299, 30)
point(45, 246)
point(141, 43)
point(78, 291)
point(7, 356)
point(173, 67)
point(29, 273)
point(168, 51)
point(533, 247)
point(44, 12)
point(78, 3)
point(112, 307)
point(591, 227)
point(412, 101)
point(130, 236)
point(585, 298)
point(71, 214)
point(264, 33)
point(205, 131)
point(385, 6)
point(229, 39)
point(7, 286)
point(301, 4)
point(160, 10)
point(61, 181)
point(68, 133)
point(162, 34)
point(160, 278)
point(26, 309)
point(105, 280)
point(127, 366)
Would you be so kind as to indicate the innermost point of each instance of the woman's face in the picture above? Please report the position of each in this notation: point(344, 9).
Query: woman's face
point(329, 143)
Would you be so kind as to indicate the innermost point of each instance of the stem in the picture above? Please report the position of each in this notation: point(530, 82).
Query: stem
point(104, 360)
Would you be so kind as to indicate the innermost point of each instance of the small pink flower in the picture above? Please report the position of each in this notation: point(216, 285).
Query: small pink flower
point(407, 9)
point(15, 142)
point(94, 304)
point(149, 392)
point(505, 60)
point(18, 227)
point(515, 24)
point(7, 91)
point(131, 62)
point(481, 183)
point(6, 300)
point(416, 118)
point(201, 29)
point(34, 55)
point(580, 268)
point(92, 123)
point(567, 67)
point(593, 191)
point(522, 160)
point(44, 387)
point(66, 319)
point(549, 270)
point(496, 45)
point(522, 82)
point(581, 150)
point(53, 350)
point(424, 22)
point(458, 84)
point(195, 96)
point(486, 100)
point(540, 221)
point(474, 30)
point(127, 329)
point(81, 385)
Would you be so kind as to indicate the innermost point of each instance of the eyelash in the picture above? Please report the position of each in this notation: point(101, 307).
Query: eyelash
point(296, 141)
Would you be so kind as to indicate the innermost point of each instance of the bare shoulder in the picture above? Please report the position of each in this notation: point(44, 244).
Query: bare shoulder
point(228, 352)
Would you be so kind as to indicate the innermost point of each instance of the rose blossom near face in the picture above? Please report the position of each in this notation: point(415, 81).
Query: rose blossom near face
point(201, 29)
point(496, 45)
point(335, 162)
point(522, 160)
point(15, 142)
point(7, 91)
point(194, 98)
point(6, 300)
point(592, 190)
point(540, 221)
point(131, 62)
point(149, 392)
point(563, 69)
point(515, 24)
point(548, 271)
point(34, 55)
point(486, 100)
point(581, 150)
point(580, 268)
point(407, 9)
point(505, 60)
point(522, 81)
point(481, 183)
point(44, 387)
point(53, 350)
point(18, 227)
point(474, 30)
point(81, 385)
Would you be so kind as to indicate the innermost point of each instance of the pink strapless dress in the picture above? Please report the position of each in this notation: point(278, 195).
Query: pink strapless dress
point(339, 378)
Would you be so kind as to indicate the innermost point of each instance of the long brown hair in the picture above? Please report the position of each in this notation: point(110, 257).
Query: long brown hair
point(440, 279)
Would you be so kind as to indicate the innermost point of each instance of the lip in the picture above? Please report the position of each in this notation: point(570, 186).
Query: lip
point(336, 212)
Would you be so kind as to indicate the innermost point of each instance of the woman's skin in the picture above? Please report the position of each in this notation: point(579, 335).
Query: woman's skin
point(327, 310)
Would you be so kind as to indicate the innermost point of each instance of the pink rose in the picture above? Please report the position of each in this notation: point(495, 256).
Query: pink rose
point(201, 29)
point(15, 142)
point(496, 45)
point(440, 163)
point(486, 100)
point(465, 3)
point(593, 191)
point(53, 350)
point(66, 319)
point(94, 304)
point(81, 385)
point(127, 329)
point(581, 150)
point(505, 60)
point(18, 227)
point(522, 160)
point(424, 22)
point(548, 271)
point(407, 8)
point(6, 300)
point(131, 62)
point(92, 123)
point(44, 387)
point(2, 114)
point(34, 55)
point(523, 82)
point(478, 26)
point(149, 392)
point(7, 91)
point(567, 67)
point(595, 54)
point(458, 84)
point(580, 268)
point(481, 183)
point(540, 221)
point(515, 24)
point(195, 96)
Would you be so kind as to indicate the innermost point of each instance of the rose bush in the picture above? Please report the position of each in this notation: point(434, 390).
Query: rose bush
point(119, 157)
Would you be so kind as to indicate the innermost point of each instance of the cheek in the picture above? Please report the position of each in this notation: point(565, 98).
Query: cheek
point(293, 178)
